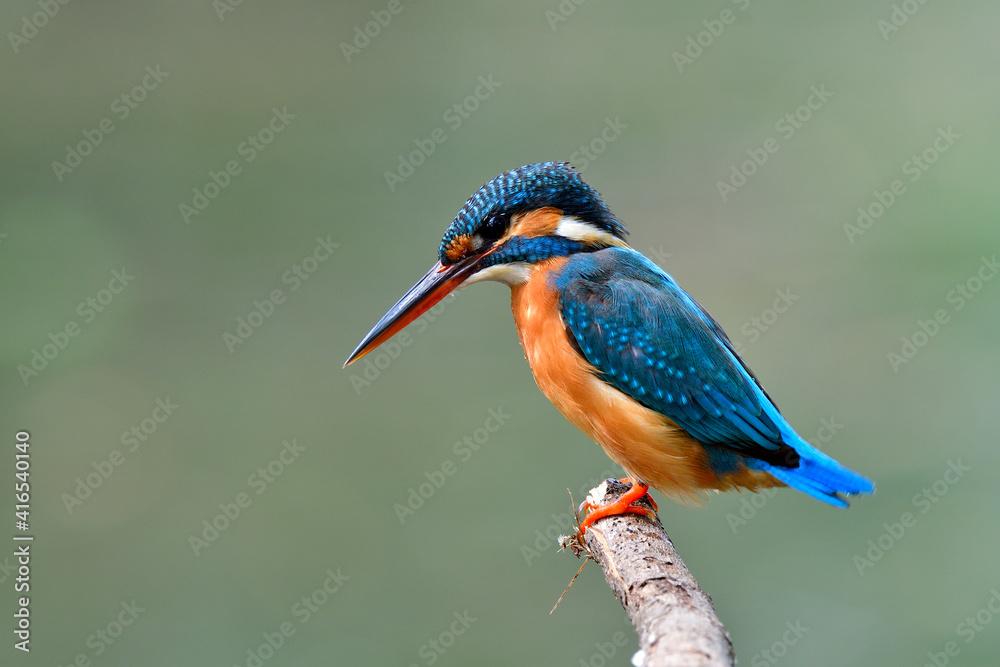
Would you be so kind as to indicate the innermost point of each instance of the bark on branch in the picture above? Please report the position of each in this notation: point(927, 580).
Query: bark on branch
point(672, 615)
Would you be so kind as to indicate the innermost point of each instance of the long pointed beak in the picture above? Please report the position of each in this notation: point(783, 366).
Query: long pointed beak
point(434, 286)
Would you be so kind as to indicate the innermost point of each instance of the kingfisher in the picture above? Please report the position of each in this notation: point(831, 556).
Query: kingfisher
point(619, 348)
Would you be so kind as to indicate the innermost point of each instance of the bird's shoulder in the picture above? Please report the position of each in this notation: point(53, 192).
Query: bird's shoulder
point(611, 264)
point(627, 287)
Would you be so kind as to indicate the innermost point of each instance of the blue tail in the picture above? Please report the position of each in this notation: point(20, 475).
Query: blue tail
point(818, 475)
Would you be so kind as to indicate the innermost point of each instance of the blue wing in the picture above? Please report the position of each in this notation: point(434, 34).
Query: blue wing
point(650, 340)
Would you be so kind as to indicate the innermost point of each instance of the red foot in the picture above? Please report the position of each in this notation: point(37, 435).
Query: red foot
point(621, 506)
point(630, 481)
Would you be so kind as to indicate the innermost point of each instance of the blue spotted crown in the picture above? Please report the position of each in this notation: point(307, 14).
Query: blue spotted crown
point(531, 187)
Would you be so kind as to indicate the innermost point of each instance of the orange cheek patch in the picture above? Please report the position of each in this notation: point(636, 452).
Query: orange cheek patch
point(542, 222)
point(460, 246)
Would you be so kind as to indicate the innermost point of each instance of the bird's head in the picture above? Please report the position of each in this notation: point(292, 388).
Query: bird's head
point(521, 217)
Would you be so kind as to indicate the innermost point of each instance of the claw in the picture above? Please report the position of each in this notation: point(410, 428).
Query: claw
point(621, 506)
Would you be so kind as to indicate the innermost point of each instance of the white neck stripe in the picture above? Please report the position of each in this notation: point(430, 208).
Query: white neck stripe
point(578, 230)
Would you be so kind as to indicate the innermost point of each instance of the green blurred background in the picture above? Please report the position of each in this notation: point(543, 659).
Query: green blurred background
point(477, 546)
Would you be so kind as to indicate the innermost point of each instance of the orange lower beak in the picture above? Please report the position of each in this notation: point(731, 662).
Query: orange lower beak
point(435, 285)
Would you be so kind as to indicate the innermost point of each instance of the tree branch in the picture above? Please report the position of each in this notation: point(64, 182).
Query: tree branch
point(672, 615)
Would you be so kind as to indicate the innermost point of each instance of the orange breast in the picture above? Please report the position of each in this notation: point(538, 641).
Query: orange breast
point(647, 444)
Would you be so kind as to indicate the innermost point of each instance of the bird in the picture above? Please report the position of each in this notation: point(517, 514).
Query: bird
point(623, 352)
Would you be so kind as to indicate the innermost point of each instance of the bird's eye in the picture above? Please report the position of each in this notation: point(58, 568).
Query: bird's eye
point(494, 227)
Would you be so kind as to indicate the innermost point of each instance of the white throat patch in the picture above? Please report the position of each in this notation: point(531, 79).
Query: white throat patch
point(512, 273)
